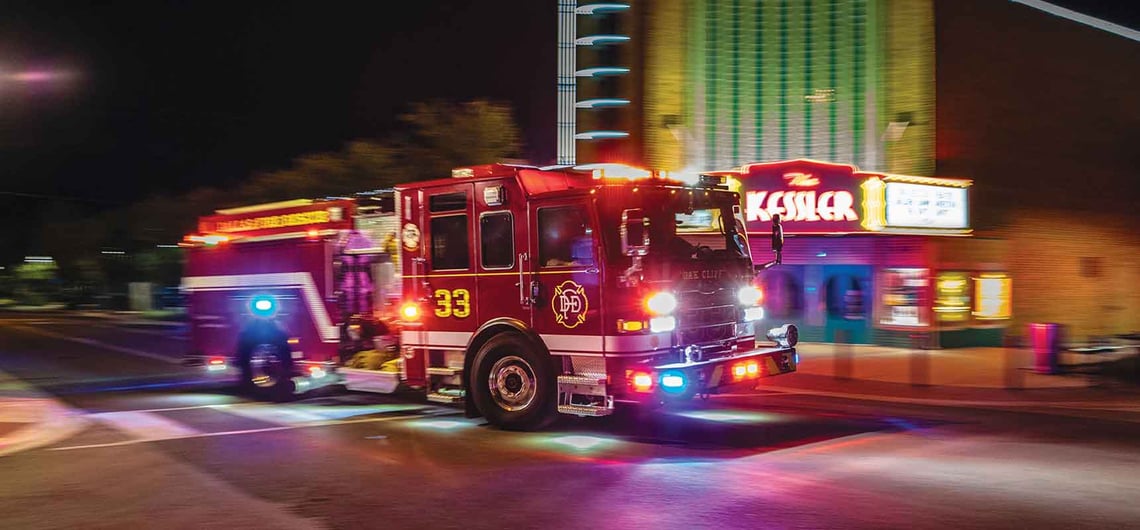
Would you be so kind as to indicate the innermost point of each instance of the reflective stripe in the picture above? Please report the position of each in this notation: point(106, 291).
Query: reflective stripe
point(439, 339)
point(299, 280)
point(580, 343)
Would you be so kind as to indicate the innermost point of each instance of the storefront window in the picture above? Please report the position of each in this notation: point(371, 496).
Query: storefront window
point(904, 297)
point(783, 295)
point(845, 298)
point(993, 296)
point(952, 297)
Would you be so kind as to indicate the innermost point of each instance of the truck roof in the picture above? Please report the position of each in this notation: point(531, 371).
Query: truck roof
point(561, 179)
point(533, 180)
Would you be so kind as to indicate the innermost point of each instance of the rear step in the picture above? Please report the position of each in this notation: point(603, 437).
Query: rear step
point(445, 371)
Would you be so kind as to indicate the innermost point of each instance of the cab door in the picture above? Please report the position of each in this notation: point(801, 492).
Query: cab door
point(502, 249)
point(450, 266)
point(565, 276)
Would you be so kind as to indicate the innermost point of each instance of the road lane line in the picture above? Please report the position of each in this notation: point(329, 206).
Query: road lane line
point(127, 329)
point(102, 345)
point(253, 431)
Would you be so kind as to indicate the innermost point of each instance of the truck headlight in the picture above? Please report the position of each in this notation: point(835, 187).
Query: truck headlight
point(662, 303)
point(750, 295)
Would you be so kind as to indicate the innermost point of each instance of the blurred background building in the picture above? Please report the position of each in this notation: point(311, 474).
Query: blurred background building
point(1034, 105)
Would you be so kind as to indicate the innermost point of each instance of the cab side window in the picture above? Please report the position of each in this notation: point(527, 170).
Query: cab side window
point(449, 242)
point(450, 247)
point(497, 240)
point(564, 237)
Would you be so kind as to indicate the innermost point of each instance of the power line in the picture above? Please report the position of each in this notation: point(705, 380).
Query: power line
point(56, 197)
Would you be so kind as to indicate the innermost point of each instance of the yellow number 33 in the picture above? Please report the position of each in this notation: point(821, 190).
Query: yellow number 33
point(456, 303)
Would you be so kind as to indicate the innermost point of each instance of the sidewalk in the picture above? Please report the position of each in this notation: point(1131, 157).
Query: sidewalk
point(959, 367)
point(29, 418)
point(961, 376)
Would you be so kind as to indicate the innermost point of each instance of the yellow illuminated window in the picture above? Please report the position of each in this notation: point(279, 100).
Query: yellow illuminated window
point(993, 296)
point(952, 297)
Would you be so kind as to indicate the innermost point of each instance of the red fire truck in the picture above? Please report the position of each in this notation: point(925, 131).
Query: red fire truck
point(518, 292)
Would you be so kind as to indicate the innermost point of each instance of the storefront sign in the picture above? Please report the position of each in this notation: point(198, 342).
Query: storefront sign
point(814, 197)
point(810, 197)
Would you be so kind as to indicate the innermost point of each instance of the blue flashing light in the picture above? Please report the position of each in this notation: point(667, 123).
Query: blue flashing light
point(599, 103)
point(600, 135)
point(602, 71)
point(672, 381)
point(601, 8)
point(601, 40)
point(263, 306)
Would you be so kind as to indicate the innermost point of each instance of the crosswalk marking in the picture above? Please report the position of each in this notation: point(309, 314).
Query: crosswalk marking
point(276, 415)
point(142, 426)
point(145, 425)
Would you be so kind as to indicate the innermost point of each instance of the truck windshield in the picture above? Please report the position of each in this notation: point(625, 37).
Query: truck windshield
point(683, 223)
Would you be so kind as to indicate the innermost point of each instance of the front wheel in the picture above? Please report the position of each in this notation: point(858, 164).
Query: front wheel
point(513, 384)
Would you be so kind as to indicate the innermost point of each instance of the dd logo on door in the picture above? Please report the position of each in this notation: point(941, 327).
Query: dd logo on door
point(570, 304)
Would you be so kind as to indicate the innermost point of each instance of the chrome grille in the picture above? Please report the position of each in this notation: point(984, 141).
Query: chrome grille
point(707, 317)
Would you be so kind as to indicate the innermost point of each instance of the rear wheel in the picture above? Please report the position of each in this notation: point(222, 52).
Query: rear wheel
point(266, 367)
point(514, 384)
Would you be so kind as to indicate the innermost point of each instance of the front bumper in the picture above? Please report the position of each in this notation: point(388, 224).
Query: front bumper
point(718, 375)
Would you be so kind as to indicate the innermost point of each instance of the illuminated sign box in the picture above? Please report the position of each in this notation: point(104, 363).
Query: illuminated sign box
point(815, 197)
point(925, 206)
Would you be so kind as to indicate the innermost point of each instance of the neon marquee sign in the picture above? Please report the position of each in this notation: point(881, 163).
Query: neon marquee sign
point(814, 197)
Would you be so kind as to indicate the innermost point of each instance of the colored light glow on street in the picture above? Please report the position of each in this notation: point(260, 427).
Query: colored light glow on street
point(441, 425)
point(582, 443)
point(730, 416)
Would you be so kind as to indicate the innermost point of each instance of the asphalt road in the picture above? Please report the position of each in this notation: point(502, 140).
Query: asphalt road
point(162, 447)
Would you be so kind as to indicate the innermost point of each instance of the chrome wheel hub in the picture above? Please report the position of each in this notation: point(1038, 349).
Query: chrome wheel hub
point(512, 383)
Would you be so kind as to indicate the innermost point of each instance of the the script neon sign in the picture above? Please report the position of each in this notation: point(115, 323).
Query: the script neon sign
point(800, 206)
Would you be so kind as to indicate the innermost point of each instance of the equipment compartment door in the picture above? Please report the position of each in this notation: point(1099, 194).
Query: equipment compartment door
point(565, 276)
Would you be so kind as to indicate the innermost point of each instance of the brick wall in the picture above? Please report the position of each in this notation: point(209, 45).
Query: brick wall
point(1079, 270)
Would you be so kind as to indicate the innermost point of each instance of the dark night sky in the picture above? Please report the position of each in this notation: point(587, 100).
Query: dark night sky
point(168, 95)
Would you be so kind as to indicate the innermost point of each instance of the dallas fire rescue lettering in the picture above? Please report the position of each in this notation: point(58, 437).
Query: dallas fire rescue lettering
point(570, 304)
point(800, 205)
point(275, 221)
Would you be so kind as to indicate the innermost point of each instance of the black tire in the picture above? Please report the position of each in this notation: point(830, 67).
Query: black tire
point(266, 364)
point(505, 367)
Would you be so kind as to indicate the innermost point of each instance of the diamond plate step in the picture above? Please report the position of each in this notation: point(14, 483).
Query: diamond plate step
point(585, 410)
point(449, 397)
point(582, 380)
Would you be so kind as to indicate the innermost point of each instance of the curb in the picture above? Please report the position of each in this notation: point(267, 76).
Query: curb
point(1118, 405)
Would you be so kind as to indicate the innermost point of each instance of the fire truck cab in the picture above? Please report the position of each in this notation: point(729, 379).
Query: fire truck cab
point(523, 293)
